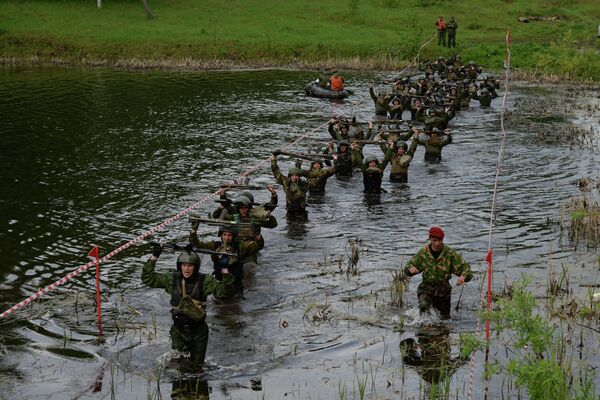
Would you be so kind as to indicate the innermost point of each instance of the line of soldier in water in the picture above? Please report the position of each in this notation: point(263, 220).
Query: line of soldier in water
point(432, 98)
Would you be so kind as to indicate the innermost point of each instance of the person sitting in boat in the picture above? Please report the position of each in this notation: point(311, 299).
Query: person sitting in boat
point(336, 82)
point(323, 80)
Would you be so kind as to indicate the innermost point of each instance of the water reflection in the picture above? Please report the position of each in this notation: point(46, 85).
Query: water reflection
point(430, 355)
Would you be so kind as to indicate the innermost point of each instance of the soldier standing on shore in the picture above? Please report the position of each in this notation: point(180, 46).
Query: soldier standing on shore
point(451, 28)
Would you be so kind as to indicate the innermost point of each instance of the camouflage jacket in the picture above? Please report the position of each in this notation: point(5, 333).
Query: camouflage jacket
point(249, 232)
point(433, 146)
point(295, 193)
point(437, 273)
point(165, 281)
point(317, 178)
point(396, 167)
point(381, 102)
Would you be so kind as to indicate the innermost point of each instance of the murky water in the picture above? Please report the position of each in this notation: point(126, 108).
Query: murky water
point(98, 157)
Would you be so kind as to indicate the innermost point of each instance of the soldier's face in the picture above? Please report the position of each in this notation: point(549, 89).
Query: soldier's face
point(295, 178)
point(316, 166)
point(372, 164)
point(227, 237)
point(243, 210)
point(187, 270)
point(436, 244)
point(401, 151)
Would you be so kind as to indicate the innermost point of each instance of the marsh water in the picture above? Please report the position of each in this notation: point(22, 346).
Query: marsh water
point(99, 157)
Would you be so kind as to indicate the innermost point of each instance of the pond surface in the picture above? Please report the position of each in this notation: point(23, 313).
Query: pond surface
point(98, 157)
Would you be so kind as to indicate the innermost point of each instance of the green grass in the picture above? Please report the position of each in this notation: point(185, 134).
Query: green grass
point(349, 33)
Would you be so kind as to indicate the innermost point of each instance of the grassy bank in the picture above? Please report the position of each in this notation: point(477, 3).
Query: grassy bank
point(380, 34)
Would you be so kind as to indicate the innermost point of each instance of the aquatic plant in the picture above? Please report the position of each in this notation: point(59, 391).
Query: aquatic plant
point(583, 224)
point(540, 364)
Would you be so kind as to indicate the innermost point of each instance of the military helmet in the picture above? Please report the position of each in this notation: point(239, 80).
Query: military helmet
point(402, 144)
point(436, 130)
point(471, 63)
point(242, 201)
point(343, 143)
point(228, 228)
point(450, 67)
point(344, 126)
point(294, 171)
point(484, 90)
point(248, 194)
point(188, 257)
point(371, 158)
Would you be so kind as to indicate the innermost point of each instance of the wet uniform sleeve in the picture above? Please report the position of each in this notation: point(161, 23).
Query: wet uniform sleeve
point(386, 161)
point(372, 93)
point(412, 148)
point(200, 244)
point(277, 172)
point(415, 261)
point(269, 223)
point(461, 267)
point(219, 289)
point(357, 159)
point(156, 280)
point(251, 247)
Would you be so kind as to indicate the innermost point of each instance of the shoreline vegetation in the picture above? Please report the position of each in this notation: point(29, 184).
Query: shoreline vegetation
point(385, 35)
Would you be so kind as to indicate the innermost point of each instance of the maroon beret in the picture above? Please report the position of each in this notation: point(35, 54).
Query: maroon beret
point(436, 232)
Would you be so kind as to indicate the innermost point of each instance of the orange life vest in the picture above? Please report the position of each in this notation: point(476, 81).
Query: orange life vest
point(336, 82)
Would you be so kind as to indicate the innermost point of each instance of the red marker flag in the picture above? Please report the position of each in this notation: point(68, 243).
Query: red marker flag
point(94, 252)
point(488, 259)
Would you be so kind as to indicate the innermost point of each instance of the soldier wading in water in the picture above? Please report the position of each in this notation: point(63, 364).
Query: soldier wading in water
point(188, 289)
point(437, 262)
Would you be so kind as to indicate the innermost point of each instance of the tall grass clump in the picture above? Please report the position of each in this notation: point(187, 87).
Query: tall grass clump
point(540, 364)
point(580, 216)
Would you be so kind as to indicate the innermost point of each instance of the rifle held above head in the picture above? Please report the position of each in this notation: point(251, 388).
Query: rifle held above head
point(189, 247)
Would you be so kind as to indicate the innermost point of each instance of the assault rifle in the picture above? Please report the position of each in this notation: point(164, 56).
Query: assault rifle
point(189, 247)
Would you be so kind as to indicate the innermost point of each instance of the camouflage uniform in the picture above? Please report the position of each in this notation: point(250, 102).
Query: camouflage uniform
point(295, 192)
point(433, 145)
point(245, 250)
point(435, 289)
point(317, 179)
point(372, 176)
point(399, 171)
point(485, 98)
point(187, 334)
point(381, 103)
point(451, 29)
point(439, 121)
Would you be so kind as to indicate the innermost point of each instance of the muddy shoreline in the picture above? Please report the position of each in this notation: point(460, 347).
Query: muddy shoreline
point(197, 65)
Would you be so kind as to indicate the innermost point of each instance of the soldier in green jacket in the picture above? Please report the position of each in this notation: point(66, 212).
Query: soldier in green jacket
point(189, 289)
point(294, 187)
point(434, 142)
point(228, 243)
point(400, 155)
point(317, 176)
point(372, 171)
point(381, 101)
point(243, 212)
point(438, 263)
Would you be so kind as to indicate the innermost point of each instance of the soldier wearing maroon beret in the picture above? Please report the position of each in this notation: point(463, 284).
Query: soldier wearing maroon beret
point(438, 262)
